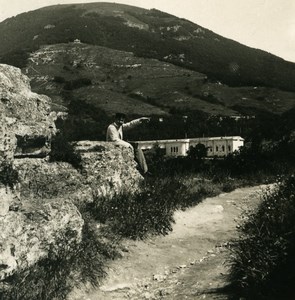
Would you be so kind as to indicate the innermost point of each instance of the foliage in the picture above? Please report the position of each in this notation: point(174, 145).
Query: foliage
point(197, 152)
point(263, 264)
point(76, 84)
point(137, 215)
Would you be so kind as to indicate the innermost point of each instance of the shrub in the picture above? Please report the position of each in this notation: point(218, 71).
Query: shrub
point(77, 83)
point(263, 262)
point(59, 79)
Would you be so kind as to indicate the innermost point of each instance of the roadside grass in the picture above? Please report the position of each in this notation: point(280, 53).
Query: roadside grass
point(150, 212)
point(263, 257)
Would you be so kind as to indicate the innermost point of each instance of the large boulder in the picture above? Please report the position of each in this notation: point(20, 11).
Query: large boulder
point(40, 227)
point(26, 113)
point(40, 179)
point(108, 169)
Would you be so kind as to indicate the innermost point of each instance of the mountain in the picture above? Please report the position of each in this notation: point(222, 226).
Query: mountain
point(146, 33)
point(98, 58)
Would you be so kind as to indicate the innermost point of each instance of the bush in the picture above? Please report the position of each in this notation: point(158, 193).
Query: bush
point(263, 262)
point(77, 83)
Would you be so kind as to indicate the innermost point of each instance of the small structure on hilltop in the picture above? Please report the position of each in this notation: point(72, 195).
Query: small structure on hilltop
point(216, 146)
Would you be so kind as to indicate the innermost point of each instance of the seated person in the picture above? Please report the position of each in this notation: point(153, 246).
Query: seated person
point(115, 134)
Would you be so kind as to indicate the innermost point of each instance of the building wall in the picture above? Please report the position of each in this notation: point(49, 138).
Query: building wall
point(219, 146)
point(177, 148)
point(216, 146)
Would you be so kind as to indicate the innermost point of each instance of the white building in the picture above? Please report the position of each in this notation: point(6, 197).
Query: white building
point(219, 146)
point(216, 146)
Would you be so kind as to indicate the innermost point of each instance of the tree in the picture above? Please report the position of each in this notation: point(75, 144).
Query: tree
point(197, 152)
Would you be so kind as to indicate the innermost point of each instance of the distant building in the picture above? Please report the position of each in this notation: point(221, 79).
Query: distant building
point(216, 146)
point(77, 41)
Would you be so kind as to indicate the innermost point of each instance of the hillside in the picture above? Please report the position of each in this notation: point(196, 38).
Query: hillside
point(146, 33)
point(96, 59)
point(113, 80)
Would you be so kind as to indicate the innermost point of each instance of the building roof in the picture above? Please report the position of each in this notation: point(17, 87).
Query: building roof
point(201, 139)
point(217, 138)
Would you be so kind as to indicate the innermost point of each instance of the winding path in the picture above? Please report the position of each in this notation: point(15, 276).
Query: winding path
point(189, 263)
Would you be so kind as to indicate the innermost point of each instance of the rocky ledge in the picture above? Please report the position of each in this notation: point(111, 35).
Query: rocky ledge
point(38, 197)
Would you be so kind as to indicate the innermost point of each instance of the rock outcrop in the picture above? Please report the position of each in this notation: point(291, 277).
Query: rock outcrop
point(38, 202)
point(28, 235)
point(108, 168)
point(24, 114)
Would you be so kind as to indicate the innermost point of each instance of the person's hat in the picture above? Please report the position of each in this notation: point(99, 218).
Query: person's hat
point(120, 116)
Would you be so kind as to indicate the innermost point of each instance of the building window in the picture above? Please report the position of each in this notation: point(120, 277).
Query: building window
point(229, 148)
point(223, 148)
point(216, 148)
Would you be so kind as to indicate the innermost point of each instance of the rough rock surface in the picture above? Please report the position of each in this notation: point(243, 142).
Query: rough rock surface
point(27, 235)
point(26, 113)
point(7, 140)
point(108, 168)
point(38, 206)
point(39, 178)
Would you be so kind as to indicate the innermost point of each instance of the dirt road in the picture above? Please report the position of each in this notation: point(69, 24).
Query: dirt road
point(189, 263)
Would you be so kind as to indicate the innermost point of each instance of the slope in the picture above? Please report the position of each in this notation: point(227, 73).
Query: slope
point(146, 33)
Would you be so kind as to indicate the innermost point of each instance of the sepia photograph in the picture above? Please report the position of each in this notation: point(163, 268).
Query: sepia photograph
point(147, 150)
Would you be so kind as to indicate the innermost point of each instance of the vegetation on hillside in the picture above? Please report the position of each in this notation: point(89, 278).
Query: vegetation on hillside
point(150, 34)
point(112, 81)
point(262, 263)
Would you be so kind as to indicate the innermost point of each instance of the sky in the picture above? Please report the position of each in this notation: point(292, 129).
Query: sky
point(264, 24)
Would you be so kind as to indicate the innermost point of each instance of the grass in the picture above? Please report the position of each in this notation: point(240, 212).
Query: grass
point(150, 212)
point(263, 264)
